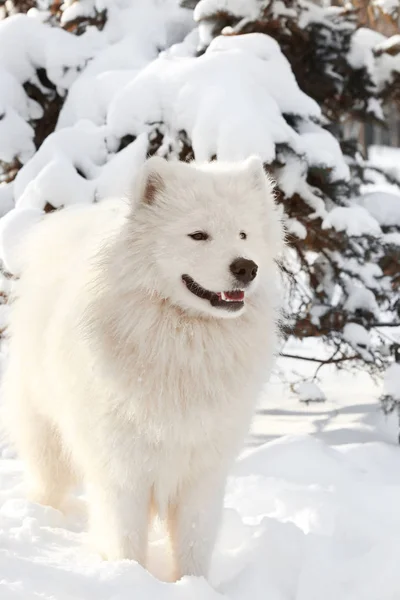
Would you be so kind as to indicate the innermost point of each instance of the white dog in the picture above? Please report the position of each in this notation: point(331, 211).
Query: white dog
point(140, 337)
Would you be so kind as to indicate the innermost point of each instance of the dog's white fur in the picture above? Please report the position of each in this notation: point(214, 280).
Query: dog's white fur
point(120, 376)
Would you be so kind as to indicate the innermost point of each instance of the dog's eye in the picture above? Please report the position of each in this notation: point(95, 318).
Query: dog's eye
point(199, 236)
point(243, 235)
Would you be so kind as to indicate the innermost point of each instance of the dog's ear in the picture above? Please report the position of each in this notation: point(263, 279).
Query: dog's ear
point(254, 167)
point(152, 179)
point(259, 178)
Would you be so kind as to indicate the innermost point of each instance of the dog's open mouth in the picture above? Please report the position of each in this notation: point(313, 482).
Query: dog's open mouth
point(231, 300)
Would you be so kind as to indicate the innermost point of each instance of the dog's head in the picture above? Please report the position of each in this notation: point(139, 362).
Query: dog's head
point(207, 234)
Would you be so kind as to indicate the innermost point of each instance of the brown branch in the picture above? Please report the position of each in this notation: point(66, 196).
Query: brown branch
point(327, 362)
point(320, 360)
point(383, 325)
point(391, 46)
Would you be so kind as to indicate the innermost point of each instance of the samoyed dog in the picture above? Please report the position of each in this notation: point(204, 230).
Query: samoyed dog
point(141, 334)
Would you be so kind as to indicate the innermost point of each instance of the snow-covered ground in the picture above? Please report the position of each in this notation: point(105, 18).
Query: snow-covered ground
point(311, 513)
point(349, 415)
point(385, 157)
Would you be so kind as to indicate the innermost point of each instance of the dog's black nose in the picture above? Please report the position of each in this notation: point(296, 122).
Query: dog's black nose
point(244, 270)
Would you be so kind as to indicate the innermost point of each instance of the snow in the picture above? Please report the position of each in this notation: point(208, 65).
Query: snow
point(13, 227)
point(258, 85)
point(309, 391)
point(318, 13)
point(369, 273)
point(390, 45)
point(392, 381)
point(354, 220)
point(392, 238)
point(90, 96)
point(323, 150)
point(77, 10)
point(360, 298)
point(6, 198)
point(131, 39)
point(363, 42)
point(364, 52)
point(92, 68)
point(305, 12)
point(356, 335)
point(56, 182)
point(296, 228)
point(27, 44)
point(385, 157)
point(117, 83)
point(375, 108)
point(389, 6)
point(384, 207)
point(239, 8)
point(51, 175)
point(117, 87)
point(123, 91)
point(16, 135)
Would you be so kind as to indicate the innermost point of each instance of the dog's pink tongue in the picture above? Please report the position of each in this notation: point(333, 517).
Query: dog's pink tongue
point(237, 295)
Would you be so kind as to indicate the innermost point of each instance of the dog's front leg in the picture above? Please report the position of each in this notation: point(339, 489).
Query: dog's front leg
point(119, 520)
point(193, 523)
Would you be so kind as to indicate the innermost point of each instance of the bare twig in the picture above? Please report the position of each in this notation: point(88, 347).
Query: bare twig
point(320, 360)
point(384, 324)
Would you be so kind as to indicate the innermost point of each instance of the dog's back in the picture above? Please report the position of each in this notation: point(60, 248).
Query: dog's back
point(56, 258)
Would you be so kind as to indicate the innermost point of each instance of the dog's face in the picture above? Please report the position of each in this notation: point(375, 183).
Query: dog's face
point(210, 233)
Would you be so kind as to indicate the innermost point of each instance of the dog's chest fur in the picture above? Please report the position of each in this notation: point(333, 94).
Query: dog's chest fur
point(201, 373)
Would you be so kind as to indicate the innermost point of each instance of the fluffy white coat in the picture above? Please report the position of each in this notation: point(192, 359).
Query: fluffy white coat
point(121, 377)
